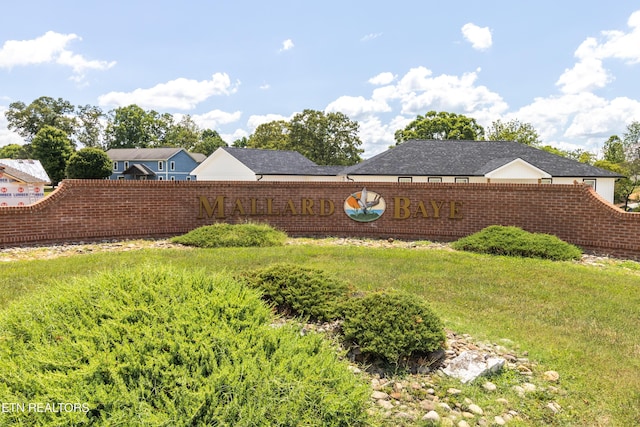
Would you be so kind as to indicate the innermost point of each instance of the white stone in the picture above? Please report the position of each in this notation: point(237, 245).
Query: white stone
point(385, 404)
point(489, 386)
point(463, 423)
point(476, 409)
point(379, 395)
point(431, 416)
point(470, 365)
point(499, 420)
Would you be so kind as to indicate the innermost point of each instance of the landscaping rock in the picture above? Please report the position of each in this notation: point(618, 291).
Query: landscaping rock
point(470, 365)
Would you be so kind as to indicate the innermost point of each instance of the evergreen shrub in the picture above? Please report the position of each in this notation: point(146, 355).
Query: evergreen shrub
point(161, 346)
point(303, 291)
point(392, 325)
point(232, 235)
point(513, 241)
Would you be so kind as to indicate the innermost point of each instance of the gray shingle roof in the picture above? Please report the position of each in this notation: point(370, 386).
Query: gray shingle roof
point(142, 153)
point(468, 158)
point(279, 162)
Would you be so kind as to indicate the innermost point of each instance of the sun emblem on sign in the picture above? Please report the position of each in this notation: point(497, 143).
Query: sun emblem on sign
point(364, 206)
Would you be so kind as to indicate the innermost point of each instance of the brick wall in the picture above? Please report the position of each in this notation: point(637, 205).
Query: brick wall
point(86, 210)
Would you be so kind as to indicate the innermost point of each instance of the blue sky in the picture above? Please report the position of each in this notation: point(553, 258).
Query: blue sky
point(569, 68)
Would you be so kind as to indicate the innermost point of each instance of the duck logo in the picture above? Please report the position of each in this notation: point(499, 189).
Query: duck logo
point(364, 206)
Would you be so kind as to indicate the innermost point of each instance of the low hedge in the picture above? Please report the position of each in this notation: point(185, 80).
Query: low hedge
point(232, 235)
point(158, 346)
point(513, 241)
point(392, 325)
point(301, 291)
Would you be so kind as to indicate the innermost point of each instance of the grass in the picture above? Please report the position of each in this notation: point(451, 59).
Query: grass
point(581, 321)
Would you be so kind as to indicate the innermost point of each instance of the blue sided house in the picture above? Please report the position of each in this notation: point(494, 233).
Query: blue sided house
point(156, 164)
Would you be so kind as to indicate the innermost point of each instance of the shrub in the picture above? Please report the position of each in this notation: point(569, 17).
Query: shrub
point(229, 235)
point(513, 241)
point(392, 325)
point(158, 346)
point(301, 290)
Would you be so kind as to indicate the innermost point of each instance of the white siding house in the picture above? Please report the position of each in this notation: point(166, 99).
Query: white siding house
point(22, 182)
point(451, 161)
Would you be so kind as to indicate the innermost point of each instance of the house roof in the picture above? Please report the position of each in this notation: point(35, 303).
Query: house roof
point(468, 158)
point(141, 154)
point(138, 169)
point(279, 162)
point(25, 170)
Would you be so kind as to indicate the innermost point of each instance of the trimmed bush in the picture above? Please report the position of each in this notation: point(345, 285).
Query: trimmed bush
point(513, 241)
point(157, 346)
point(301, 290)
point(392, 325)
point(230, 235)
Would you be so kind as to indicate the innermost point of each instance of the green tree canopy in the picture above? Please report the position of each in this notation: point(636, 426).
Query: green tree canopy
point(441, 125)
point(209, 141)
point(613, 150)
point(631, 141)
point(270, 136)
point(53, 148)
point(327, 139)
point(133, 127)
point(28, 120)
point(89, 163)
point(90, 127)
point(513, 130)
point(14, 151)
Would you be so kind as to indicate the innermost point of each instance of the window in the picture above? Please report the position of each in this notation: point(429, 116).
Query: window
point(172, 166)
point(126, 165)
point(115, 166)
point(121, 178)
point(173, 178)
point(160, 166)
point(461, 180)
point(434, 179)
point(160, 178)
point(405, 179)
point(590, 182)
point(188, 178)
point(546, 181)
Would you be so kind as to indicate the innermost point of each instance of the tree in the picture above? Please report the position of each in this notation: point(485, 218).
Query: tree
point(133, 127)
point(326, 139)
point(90, 129)
point(210, 141)
point(89, 163)
point(13, 151)
point(184, 134)
point(613, 150)
point(53, 148)
point(631, 141)
point(441, 125)
point(241, 142)
point(513, 130)
point(270, 136)
point(28, 120)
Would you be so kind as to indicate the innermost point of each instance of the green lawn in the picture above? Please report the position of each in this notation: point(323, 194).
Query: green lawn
point(582, 321)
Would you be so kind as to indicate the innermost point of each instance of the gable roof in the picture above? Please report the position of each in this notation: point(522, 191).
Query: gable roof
point(279, 162)
point(468, 158)
point(25, 170)
point(142, 154)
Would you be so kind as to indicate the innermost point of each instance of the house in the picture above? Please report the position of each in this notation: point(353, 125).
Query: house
point(22, 182)
point(169, 164)
point(453, 161)
point(460, 161)
point(253, 164)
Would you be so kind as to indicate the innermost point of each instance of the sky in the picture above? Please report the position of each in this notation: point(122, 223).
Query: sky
point(571, 68)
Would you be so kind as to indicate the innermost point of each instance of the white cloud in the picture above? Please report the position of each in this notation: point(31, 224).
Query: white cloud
point(6, 136)
point(589, 72)
point(370, 36)
point(214, 118)
point(265, 86)
point(181, 94)
point(382, 79)
point(287, 45)
point(256, 120)
point(354, 106)
point(479, 37)
point(50, 48)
